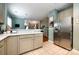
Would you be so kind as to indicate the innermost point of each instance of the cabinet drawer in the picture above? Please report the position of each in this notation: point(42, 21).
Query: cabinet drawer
point(25, 36)
point(39, 35)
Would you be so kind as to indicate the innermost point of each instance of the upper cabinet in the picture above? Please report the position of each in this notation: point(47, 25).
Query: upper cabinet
point(54, 14)
point(2, 10)
point(53, 17)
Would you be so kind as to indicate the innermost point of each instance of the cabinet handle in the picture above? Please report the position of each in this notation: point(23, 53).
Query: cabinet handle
point(1, 46)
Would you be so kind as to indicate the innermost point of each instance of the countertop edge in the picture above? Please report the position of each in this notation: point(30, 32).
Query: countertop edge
point(4, 36)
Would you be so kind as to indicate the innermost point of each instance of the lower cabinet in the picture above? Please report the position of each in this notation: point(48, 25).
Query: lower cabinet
point(12, 45)
point(38, 41)
point(25, 45)
point(15, 45)
point(2, 47)
point(30, 42)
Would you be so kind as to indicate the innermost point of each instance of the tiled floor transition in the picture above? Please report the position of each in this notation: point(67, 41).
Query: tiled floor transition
point(50, 49)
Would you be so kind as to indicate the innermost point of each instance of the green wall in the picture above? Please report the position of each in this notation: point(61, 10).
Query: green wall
point(18, 21)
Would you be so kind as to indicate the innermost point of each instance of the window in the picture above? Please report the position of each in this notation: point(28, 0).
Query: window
point(9, 22)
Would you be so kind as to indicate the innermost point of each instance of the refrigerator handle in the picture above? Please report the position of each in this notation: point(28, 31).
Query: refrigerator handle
point(56, 30)
point(71, 35)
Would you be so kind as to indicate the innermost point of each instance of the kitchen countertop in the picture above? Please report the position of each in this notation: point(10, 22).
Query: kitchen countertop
point(3, 36)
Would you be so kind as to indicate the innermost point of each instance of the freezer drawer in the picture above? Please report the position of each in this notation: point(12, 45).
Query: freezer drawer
point(63, 39)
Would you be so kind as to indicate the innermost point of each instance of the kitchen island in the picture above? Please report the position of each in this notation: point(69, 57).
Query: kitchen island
point(20, 42)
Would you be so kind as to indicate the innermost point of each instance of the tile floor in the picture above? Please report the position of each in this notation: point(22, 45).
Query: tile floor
point(50, 49)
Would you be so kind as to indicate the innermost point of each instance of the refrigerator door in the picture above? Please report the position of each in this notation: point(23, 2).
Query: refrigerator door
point(57, 33)
point(63, 33)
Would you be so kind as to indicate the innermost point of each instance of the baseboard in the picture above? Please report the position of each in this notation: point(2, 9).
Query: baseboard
point(75, 50)
point(50, 41)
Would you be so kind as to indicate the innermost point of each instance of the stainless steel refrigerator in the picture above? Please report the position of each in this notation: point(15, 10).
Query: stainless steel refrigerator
point(63, 33)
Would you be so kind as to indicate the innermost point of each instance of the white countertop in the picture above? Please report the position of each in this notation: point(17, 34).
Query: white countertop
point(3, 36)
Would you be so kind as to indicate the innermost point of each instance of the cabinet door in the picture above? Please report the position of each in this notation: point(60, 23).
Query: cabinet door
point(2, 12)
point(12, 48)
point(25, 44)
point(38, 42)
point(2, 48)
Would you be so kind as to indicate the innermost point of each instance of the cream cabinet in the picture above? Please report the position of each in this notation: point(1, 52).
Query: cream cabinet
point(12, 45)
point(30, 42)
point(2, 12)
point(25, 44)
point(38, 41)
point(2, 47)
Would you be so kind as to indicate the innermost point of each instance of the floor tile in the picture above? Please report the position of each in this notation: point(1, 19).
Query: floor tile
point(51, 49)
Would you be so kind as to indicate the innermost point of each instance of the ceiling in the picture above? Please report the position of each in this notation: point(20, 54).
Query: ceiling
point(34, 11)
